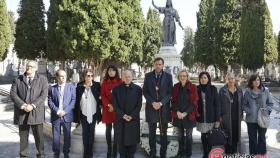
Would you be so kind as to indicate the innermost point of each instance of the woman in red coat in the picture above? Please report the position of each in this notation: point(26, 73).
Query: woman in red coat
point(110, 81)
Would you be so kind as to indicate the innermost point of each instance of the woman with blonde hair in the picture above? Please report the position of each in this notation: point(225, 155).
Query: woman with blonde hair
point(231, 98)
point(184, 112)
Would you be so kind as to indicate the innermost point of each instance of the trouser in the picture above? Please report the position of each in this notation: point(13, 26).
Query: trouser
point(231, 148)
point(163, 139)
point(205, 145)
point(56, 130)
point(127, 151)
point(257, 140)
point(88, 135)
point(38, 136)
point(185, 142)
point(109, 140)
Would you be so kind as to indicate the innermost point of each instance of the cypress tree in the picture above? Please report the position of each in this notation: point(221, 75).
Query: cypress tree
point(187, 52)
point(252, 34)
point(226, 33)
point(5, 31)
point(278, 46)
point(152, 34)
point(55, 33)
point(204, 33)
point(30, 29)
point(270, 45)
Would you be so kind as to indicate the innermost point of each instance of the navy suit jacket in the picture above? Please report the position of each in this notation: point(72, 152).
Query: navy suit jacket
point(69, 99)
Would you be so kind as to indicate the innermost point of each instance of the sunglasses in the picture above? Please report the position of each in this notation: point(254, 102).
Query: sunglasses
point(89, 75)
point(31, 66)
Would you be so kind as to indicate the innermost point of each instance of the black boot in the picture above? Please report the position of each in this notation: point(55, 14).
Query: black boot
point(108, 140)
point(109, 151)
point(115, 150)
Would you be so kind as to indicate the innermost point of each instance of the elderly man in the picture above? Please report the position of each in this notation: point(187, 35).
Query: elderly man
point(61, 100)
point(127, 102)
point(28, 92)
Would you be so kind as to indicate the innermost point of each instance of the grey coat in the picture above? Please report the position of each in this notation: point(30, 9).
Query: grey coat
point(226, 113)
point(36, 94)
point(252, 103)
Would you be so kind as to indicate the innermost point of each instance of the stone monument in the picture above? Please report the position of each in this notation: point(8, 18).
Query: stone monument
point(167, 51)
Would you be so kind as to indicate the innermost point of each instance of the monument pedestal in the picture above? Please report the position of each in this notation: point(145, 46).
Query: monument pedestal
point(172, 60)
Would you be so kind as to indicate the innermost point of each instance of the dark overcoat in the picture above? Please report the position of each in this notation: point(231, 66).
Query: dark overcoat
point(226, 113)
point(127, 100)
point(36, 94)
point(213, 109)
point(164, 96)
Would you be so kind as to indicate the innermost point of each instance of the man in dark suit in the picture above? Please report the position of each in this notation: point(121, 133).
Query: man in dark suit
point(127, 102)
point(157, 90)
point(61, 100)
point(29, 92)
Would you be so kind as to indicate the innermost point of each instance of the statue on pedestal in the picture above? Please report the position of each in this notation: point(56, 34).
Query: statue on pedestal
point(168, 25)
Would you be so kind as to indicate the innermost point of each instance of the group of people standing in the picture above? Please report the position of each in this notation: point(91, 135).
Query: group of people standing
point(117, 103)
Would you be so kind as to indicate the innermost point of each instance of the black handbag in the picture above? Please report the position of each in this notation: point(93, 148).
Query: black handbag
point(216, 137)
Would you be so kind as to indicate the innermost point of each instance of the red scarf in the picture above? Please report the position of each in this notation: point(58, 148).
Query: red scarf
point(193, 99)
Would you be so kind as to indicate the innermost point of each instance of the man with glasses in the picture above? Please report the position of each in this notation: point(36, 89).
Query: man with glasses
point(29, 92)
point(61, 100)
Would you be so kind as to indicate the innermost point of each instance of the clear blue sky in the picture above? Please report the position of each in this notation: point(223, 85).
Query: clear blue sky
point(187, 10)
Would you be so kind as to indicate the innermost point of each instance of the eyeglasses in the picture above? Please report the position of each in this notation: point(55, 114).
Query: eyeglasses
point(31, 66)
point(89, 75)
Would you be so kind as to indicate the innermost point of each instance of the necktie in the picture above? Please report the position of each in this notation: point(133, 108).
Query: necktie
point(60, 98)
point(157, 78)
point(29, 81)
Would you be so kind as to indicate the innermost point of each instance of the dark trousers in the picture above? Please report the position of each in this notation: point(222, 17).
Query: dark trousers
point(231, 147)
point(257, 140)
point(56, 131)
point(88, 135)
point(37, 131)
point(205, 145)
point(185, 142)
point(163, 139)
point(127, 151)
point(109, 140)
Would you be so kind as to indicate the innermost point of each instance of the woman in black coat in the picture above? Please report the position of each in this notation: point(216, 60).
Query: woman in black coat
point(231, 98)
point(208, 109)
point(184, 111)
point(87, 109)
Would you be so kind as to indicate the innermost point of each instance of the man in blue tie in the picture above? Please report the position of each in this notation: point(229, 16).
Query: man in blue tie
point(61, 100)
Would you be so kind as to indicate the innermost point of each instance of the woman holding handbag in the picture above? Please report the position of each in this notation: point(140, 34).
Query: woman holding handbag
point(208, 109)
point(110, 81)
point(184, 112)
point(256, 97)
point(231, 99)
